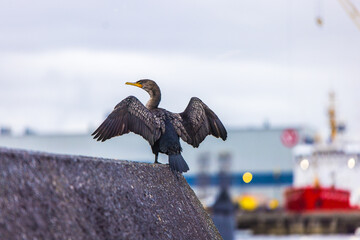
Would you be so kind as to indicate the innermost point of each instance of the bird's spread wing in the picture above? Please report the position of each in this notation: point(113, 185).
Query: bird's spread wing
point(130, 115)
point(199, 121)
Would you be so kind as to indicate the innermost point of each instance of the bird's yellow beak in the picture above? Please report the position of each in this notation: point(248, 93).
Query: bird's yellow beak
point(134, 84)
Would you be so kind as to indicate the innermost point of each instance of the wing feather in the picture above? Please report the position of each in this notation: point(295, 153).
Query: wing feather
point(200, 121)
point(130, 115)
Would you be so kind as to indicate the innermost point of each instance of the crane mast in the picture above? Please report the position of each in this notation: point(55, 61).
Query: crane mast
point(351, 10)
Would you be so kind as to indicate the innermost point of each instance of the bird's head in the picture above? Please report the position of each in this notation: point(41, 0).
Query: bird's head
point(152, 88)
point(148, 85)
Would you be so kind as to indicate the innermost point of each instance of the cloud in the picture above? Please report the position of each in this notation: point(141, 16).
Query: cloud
point(72, 89)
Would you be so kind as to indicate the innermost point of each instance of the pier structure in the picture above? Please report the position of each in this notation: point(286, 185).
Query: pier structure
point(52, 196)
point(283, 223)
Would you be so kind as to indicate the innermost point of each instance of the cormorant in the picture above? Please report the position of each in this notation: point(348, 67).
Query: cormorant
point(160, 127)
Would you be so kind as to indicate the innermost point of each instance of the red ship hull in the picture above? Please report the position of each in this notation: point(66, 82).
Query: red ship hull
point(317, 198)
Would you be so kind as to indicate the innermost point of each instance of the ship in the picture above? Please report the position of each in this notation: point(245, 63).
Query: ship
point(326, 175)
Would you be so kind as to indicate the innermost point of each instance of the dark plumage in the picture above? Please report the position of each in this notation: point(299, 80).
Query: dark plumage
point(160, 127)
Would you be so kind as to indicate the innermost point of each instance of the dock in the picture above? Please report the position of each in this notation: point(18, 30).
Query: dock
point(283, 223)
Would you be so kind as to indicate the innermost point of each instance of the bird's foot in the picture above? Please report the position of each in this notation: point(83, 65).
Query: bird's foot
point(156, 162)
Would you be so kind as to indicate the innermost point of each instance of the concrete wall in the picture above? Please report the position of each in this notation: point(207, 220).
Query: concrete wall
point(49, 196)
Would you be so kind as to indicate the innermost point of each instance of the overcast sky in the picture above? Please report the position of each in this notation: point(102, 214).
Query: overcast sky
point(63, 64)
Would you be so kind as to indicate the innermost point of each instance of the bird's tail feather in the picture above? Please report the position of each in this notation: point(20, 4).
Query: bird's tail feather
point(177, 163)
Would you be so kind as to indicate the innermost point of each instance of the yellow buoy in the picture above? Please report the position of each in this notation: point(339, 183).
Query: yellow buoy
point(247, 177)
point(273, 204)
point(248, 203)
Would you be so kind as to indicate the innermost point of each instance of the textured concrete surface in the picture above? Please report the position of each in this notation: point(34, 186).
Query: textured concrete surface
point(49, 196)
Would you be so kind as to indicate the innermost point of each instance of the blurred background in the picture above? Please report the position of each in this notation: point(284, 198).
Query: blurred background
point(283, 76)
